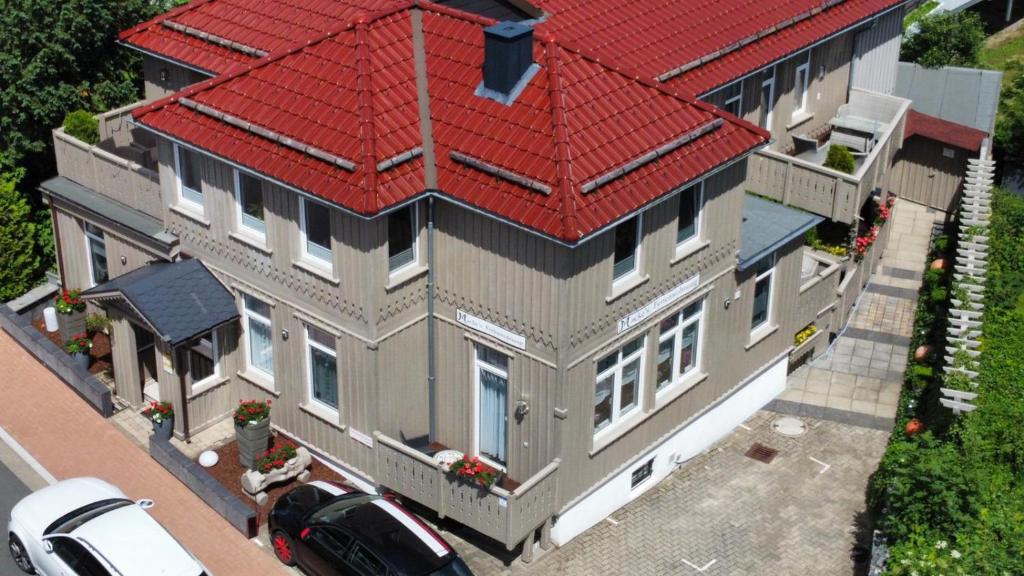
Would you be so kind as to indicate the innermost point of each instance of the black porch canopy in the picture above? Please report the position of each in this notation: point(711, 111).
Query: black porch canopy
point(177, 300)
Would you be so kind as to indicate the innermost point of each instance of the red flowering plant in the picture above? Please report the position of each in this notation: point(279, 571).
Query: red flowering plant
point(862, 243)
point(159, 411)
point(68, 302)
point(251, 412)
point(276, 457)
point(79, 344)
point(474, 470)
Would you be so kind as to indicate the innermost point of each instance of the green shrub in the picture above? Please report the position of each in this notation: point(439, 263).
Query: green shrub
point(19, 259)
point(82, 125)
point(96, 323)
point(839, 158)
point(938, 295)
point(941, 244)
point(933, 277)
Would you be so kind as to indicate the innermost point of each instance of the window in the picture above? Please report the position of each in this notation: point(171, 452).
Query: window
point(627, 248)
point(734, 99)
point(763, 293)
point(249, 197)
point(641, 473)
point(401, 238)
point(491, 368)
point(204, 359)
point(323, 367)
point(679, 345)
point(77, 558)
point(315, 226)
point(689, 214)
point(619, 384)
point(97, 248)
point(800, 83)
point(767, 98)
point(365, 563)
point(259, 337)
point(190, 185)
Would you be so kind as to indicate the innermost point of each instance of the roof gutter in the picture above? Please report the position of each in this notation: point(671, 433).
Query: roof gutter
point(164, 58)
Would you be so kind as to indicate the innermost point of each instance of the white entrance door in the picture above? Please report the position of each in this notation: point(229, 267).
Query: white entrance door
point(491, 368)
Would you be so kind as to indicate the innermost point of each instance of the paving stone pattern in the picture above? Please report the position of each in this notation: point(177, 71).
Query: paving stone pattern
point(732, 515)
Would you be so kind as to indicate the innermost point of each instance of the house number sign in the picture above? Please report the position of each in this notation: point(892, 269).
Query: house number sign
point(491, 329)
point(658, 304)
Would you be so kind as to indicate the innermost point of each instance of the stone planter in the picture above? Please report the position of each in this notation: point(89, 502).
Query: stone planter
point(255, 483)
point(82, 359)
point(69, 325)
point(164, 429)
point(253, 441)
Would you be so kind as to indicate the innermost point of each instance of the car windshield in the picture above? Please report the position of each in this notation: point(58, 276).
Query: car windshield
point(454, 568)
point(72, 520)
point(336, 511)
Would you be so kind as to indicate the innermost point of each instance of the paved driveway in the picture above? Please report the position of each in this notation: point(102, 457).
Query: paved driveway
point(726, 514)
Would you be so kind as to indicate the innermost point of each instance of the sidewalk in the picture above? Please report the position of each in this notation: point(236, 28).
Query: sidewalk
point(69, 439)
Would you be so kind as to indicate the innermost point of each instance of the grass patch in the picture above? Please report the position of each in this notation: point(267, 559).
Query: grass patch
point(918, 13)
point(1007, 55)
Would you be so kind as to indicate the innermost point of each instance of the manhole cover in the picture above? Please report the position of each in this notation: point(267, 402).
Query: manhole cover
point(761, 453)
point(789, 426)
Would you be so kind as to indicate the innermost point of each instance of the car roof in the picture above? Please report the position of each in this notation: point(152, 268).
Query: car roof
point(391, 532)
point(136, 544)
point(41, 508)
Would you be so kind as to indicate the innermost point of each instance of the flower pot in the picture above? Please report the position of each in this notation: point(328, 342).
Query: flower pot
point(253, 440)
point(82, 359)
point(914, 427)
point(69, 325)
point(163, 429)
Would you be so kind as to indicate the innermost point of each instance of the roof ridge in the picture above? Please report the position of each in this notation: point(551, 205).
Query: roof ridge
point(559, 133)
point(364, 108)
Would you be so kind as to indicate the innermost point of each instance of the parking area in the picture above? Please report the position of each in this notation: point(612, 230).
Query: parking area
point(725, 513)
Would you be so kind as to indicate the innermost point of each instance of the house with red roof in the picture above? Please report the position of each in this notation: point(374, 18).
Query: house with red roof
point(565, 237)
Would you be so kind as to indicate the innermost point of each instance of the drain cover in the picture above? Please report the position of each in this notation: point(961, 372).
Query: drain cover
point(789, 426)
point(761, 453)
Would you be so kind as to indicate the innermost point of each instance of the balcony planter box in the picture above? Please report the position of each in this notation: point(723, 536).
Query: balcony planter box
point(69, 325)
point(253, 439)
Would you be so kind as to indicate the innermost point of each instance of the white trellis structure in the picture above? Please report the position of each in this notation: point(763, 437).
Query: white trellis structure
point(964, 320)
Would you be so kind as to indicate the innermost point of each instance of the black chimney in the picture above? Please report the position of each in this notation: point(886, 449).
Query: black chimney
point(508, 53)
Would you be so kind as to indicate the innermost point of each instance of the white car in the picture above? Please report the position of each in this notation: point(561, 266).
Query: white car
point(88, 527)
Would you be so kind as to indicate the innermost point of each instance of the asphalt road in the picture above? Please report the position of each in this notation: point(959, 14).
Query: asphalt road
point(11, 490)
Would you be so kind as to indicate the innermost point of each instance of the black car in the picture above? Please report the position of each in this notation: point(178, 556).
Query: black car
point(327, 528)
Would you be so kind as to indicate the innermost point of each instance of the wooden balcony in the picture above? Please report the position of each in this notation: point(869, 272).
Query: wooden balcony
point(122, 166)
point(801, 181)
point(818, 284)
point(510, 517)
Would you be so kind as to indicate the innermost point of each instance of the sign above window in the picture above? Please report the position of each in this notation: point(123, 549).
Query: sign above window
point(491, 329)
point(658, 304)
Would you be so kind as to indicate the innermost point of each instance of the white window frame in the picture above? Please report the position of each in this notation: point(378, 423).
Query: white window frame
point(308, 256)
point(183, 191)
point(200, 386)
point(240, 215)
point(770, 104)
point(770, 316)
point(89, 239)
point(250, 316)
point(800, 90)
point(415, 208)
point(637, 249)
point(698, 189)
point(333, 353)
point(616, 371)
point(738, 99)
point(676, 334)
point(478, 365)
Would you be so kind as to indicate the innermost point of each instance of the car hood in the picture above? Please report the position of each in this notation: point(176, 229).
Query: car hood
point(38, 510)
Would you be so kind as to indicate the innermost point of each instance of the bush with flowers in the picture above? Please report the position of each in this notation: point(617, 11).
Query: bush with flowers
point(159, 411)
point(69, 302)
point(276, 457)
point(863, 243)
point(251, 412)
point(473, 470)
point(79, 344)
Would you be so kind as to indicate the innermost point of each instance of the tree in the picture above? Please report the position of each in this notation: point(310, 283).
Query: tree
point(1009, 134)
point(945, 39)
point(19, 262)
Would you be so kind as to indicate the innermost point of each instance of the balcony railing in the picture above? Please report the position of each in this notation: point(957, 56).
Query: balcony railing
point(803, 182)
point(506, 516)
point(122, 166)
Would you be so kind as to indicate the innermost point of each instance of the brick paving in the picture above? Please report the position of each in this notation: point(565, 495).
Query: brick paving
point(732, 515)
point(69, 439)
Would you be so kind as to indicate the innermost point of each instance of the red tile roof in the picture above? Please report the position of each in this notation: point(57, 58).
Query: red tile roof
point(572, 154)
point(944, 131)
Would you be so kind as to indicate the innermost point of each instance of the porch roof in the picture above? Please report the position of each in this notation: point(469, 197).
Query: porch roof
point(767, 226)
point(178, 300)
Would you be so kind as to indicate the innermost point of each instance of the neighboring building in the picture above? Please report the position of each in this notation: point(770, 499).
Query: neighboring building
point(953, 112)
point(416, 230)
